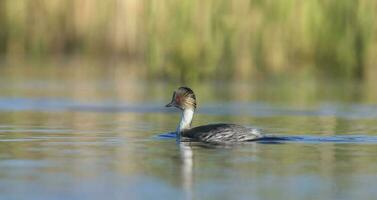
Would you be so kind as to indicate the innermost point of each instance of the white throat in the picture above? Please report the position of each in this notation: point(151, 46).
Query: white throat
point(186, 119)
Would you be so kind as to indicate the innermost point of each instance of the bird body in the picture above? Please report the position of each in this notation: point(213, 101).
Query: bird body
point(185, 99)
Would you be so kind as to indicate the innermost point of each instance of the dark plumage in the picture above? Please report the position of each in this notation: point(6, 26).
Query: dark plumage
point(222, 133)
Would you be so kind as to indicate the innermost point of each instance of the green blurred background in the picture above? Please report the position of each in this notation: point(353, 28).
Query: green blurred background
point(190, 40)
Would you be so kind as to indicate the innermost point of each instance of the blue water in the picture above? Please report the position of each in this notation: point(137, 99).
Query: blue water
point(75, 138)
point(268, 139)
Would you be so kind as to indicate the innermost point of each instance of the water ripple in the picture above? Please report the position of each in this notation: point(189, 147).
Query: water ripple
point(352, 139)
point(277, 139)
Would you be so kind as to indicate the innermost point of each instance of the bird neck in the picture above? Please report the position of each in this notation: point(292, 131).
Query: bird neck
point(186, 120)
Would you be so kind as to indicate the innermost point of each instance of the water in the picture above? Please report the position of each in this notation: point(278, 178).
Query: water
point(106, 136)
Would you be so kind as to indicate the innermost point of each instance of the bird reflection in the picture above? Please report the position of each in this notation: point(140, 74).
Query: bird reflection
point(187, 163)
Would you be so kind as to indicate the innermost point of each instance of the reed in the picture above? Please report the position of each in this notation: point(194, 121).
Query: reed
point(192, 39)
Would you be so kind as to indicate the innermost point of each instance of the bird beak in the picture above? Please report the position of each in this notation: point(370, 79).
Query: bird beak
point(170, 104)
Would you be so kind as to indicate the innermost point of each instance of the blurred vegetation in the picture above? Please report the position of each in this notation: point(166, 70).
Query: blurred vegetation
point(195, 40)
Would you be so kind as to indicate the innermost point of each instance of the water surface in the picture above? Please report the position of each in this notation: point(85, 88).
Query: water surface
point(102, 137)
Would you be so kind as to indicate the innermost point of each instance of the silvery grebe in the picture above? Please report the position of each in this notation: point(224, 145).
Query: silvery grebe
point(184, 99)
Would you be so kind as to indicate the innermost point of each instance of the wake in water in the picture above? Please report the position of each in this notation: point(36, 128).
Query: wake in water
point(320, 139)
point(361, 139)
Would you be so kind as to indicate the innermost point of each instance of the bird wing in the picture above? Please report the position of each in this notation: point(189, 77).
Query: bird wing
point(222, 133)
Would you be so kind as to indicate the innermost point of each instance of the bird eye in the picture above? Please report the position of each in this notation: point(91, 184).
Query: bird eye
point(177, 98)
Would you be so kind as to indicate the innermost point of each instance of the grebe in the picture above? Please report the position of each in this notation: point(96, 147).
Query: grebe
point(184, 99)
